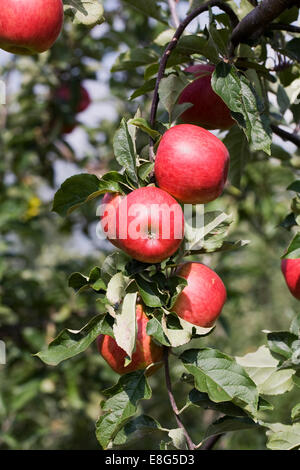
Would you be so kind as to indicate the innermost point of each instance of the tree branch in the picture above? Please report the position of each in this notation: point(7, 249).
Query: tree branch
point(295, 139)
point(189, 441)
point(178, 33)
point(284, 27)
point(253, 25)
point(172, 6)
point(210, 442)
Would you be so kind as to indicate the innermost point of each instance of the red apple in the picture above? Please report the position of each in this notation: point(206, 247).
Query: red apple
point(208, 110)
point(202, 300)
point(191, 164)
point(146, 351)
point(30, 26)
point(149, 224)
point(78, 96)
point(291, 271)
point(109, 206)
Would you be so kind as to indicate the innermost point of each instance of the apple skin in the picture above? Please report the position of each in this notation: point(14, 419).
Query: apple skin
point(30, 27)
point(146, 351)
point(208, 110)
point(291, 271)
point(109, 203)
point(202, 300)
point(64, 94)
point(191, 164)
point(149, 244)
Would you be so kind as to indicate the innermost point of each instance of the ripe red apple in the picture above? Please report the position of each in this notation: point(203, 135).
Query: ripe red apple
point(146, 351)
point(109, 206)
point(202, 300)
point(30, 26)
point(78, 96)
point(191, 164)
point(208, 110)
point(291, 271)
point(149, 224)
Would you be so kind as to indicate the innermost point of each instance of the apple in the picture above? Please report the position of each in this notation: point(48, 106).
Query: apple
point(77, 95)
point(146, 351)
point(149, 224)
point(208, 110)
point(30, 27)
point(109, 204)
point(202, 300)
point(191, 164)
point(291, 271)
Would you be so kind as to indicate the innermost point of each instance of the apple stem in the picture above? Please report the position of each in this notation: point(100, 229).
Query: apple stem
point(189, 441)
point(171, 46)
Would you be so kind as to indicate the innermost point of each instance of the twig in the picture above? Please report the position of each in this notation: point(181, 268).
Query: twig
point(284, 27)
point(189, 441)
point(178, 33)
point(172, 6)
point(286, 135)
point(252, 26)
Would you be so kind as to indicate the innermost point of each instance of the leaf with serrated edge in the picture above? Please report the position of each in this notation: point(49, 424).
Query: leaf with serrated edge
point(121, 404)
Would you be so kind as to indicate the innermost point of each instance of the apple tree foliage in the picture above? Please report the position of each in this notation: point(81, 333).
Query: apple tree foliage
point(258, 79)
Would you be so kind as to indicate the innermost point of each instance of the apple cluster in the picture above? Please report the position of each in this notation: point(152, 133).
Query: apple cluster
point(191, 167)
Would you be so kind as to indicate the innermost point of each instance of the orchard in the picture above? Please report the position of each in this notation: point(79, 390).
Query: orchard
point(149, 219)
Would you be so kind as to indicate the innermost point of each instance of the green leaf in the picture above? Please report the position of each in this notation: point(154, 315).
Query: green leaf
point(144, 126)
point(154, 328)
point(79, 189)
point(229, 424)
point(170, 89)
point(145, 88)
point(293, 48)
point(178, 438)
point(261, 366)
point(137, 428)
point(293, 251)
point(295, 186)
point(295, 413)
point(125, 324)
point(114, 263)
point(134, 58)
point(149, 9)
point(221, 377)
point(116, 288)
point(283, 437)
point(87, 12)
point(237, 92)
point(121, 404)
point(239, 151)
point(144, 170)
point(80, 282)
point(281, 344)
point(295, 326)
point(149, 292)
point(197, 398)
point(69, 343)
point(124, 151)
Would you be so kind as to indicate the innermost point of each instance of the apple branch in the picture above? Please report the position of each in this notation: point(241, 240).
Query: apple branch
point(294, 138)
point(284, 27)
point(189, 441)
point(252, 26)
point(171, 46)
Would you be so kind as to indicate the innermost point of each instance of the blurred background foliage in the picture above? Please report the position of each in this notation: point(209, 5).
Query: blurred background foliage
point(43, 407)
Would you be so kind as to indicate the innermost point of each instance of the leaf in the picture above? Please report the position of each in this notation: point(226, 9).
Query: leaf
point(125, 324)
point(124, 151)
point(69, 343)
point(295, 186)
point(229, 424)
point(116, 288)
point(283, 437)
point(170, 89)
point(148, 86)
point(121, 404)
point(136, 428)
point(148, 8)
point(114, 263)
point(134, 58)
point(79, 189)
point(262, 368)
point(87, 12)
point(145, 169)
point(178, 438)
point(293, 48)
point(149, 292)
point(295, 326)
point(80, 282)
point(295, 413)
point(144, 126)
point(237, 92)
point(154, 328)
point(221, 377)
point(197, 398)
point(239, 151)
point(293, 251)
point(281, 344)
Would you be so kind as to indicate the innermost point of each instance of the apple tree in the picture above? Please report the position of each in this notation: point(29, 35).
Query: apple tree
point(155, 299)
